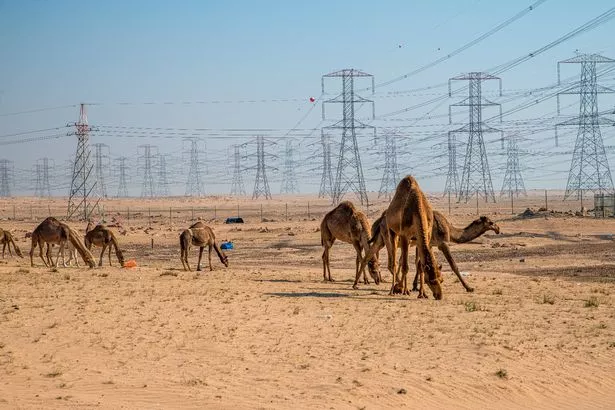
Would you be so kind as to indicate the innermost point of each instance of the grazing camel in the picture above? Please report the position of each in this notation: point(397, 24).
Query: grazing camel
point(102, 236)
point(6, 239)
point(52, 231)
point(408, 216)
point(199, 235)
point(441, 228)
point(349, 225)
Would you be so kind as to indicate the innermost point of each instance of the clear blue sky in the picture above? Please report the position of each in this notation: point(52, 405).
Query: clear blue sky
point(57, 53)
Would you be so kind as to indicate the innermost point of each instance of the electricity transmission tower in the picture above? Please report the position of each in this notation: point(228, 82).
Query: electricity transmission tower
point(101, 161)
point(163, 183)
point(452, 177)
point(43, 187)
point(513, 180)
point(147, 189)
point(289, 180)
point(326, 181)
point(349, 173)
point(261, 185)
point(390, 176)
point(83, 196)
point(122, 190)
point(476, 177)
point(237, 187)
point(6, 177)
point(194, 185)
point(589, 169)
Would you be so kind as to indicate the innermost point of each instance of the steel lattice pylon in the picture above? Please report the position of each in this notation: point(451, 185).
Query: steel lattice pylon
point(43, 187)
point(326, 181)
point(349, 172)
point(589, 169)
point(237, 187)
point(289, 181)
point(451, 187)
point(513, 180)
point(101, 160)
point(476, 177)
point(83, 197)
point(122, 190)
point(261, 185)
point(390, 175)
point(5, 177)
point(147, 187)
point(194, 184)
point(163, 183)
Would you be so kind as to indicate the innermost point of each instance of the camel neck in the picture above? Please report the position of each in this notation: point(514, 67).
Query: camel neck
point(470, 232)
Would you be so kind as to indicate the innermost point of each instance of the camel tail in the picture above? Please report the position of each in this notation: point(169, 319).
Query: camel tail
point(10, 239)
point(85, 254)
point(118, 251)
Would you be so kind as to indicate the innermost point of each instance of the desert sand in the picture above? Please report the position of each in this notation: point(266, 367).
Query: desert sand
point(267, 332)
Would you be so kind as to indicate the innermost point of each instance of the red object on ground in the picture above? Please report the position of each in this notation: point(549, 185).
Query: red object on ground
point(130, 264)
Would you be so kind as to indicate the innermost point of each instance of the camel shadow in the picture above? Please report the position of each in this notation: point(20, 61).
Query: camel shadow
point(278, 280)
point(308, 294)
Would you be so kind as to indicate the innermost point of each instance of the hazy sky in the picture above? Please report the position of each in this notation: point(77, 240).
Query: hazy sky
point(121, 56)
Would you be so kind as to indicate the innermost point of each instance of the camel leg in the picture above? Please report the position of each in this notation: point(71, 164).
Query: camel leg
point(326, 264)
point(404, 266)
point(198, 265)
point(359, 267)
point(32, 253)
point(60, 253)
point(102, 254)
point(40, 245)
point(4, 246)
point(209, 256)
point(391, 244)
point(184, 259)
point(416, 275)
point(449, 258)
point(110, 254)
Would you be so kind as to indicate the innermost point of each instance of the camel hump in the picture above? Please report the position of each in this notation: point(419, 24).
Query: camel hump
point(346, 205)
point(408, 182)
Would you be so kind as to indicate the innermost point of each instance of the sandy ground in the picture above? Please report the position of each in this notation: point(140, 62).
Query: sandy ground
point(266, 332)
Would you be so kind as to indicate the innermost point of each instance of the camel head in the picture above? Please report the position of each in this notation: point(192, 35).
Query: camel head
point(373, 268)
point(434, 279)
point(224, 259)
point(489, 224)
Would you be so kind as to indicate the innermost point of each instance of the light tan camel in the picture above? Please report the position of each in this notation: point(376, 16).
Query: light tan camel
point(440, 229)
point(6, 239)
point(408, 216)
point(103, 237)
point(199, 235)
point(72, 254)
point(52, 231)
point(349, 225)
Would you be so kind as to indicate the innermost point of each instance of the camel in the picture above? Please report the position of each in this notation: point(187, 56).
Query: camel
point(52, 231)
point(199, 235)
point(438, 238)
point(349, 225)
point(72, 254)
point(103, 237)
point(6, 239)
point(408, 216)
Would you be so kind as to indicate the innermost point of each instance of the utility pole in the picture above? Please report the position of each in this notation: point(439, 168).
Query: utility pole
point(6, 177)
point(43, 187)
point(349, 172)
point(101, 162)
point(163, 183)
point(122, 191)
point(237, 187)
point(194, 184)
point(83, 196)
point(261, 185)
point(147, 188)
point(289, 181)
point(513, 180)
point(390, 176)
point(589, 169)
point(326, 181)
point(451, 187)
point(476, 177)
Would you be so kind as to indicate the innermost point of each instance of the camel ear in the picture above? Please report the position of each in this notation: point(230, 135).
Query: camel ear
point(483, 218)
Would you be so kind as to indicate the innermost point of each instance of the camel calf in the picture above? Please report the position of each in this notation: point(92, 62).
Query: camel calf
point(6, 239)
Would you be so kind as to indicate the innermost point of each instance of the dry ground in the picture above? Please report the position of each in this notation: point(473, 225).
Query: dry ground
point(538, 332)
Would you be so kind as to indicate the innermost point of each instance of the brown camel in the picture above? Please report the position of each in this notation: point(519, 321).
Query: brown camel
point(52, 231)
point(6, 239)
point(438, 238)
point(349, 225)
point(103, 237)
point(199, 235)
point(408, 216)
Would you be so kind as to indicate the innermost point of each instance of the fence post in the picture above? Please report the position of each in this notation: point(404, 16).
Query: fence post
point(237, 210)
point(192, 214)
point(215, 212)
point(170, 217)
point(31, 212)
point(309, 210)
point(512, 204)
point(477, 202)
point(13, 212)
point(149, 217)
point(287, 211)
point(261, 212)
point(128, 215)
point(449, 202)
point(546, 201)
